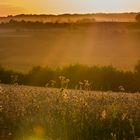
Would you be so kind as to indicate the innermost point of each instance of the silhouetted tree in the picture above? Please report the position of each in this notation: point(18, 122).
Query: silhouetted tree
point(138, 18)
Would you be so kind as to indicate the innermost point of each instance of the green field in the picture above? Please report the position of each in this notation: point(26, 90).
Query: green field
point(33, 113)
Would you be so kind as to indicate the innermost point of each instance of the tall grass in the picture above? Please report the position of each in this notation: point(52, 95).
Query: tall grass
point(33, 113)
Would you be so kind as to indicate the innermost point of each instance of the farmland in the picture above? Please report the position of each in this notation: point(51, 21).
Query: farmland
point(34, 113)
point(100, 44)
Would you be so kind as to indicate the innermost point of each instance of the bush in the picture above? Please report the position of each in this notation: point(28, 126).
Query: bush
point(77, 76)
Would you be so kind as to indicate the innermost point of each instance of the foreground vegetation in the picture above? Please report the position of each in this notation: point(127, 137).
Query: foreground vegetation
point(32, 113)
point(77, 77)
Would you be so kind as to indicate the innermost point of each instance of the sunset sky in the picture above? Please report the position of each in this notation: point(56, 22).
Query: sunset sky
point(64, 6)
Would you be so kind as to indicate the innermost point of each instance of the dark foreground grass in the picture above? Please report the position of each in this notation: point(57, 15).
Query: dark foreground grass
point(33, 113)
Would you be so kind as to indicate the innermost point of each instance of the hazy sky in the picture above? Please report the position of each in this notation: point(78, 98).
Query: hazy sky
point(65, 6)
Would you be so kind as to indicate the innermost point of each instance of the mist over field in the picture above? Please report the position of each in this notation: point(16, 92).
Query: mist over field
point(98, 43)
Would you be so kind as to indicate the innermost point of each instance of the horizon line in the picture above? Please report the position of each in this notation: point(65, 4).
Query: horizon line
point(39, 14)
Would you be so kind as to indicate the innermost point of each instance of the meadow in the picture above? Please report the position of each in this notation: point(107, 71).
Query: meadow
point(70, 78)
point(34, 113)
point(99, 43)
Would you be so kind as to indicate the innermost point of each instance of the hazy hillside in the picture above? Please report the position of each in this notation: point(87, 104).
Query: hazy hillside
point(120, 17)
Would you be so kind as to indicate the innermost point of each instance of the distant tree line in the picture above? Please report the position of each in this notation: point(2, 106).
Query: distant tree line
point(31, 24)
point(43, 25)
point(106, 78)
point(85, 22)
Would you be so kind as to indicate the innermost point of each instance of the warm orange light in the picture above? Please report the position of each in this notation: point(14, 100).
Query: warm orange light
point(64, 6)
point(39, 130)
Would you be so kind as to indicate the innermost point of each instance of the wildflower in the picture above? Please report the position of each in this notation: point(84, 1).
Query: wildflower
point(124, 116)
point(62, 81)
point(47, 84)
point(86, 84)
point(80, 85)
point(67, 82)
point(52, 83)
point(9, 134)
point(121, 88)
point(65, 96)
point(62, 89)
point(1, 108)
point(103, 114)
point(61, 78)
